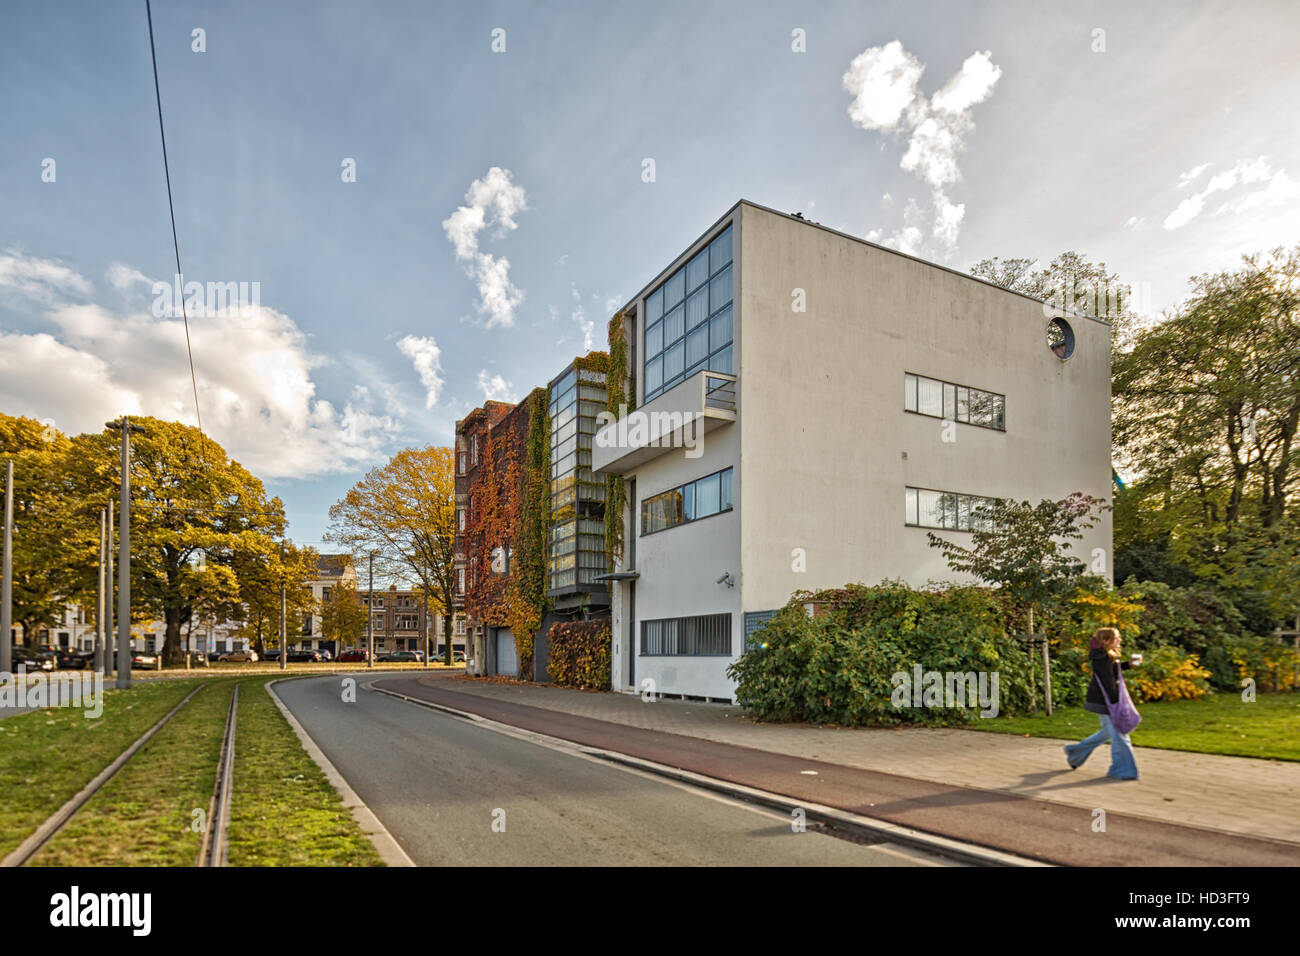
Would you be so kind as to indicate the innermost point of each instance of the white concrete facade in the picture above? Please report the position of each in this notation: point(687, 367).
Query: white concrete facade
point(821, 447)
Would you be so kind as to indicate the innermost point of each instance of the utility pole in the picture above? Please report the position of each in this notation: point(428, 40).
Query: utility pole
point(99, 594)
point(7, 585)
point(284, 644)
point(370, 616)
point(110, 659)
point(124, 556)
point(425, 589)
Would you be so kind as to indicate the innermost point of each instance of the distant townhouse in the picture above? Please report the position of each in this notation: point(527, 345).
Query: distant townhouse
point(808, 405)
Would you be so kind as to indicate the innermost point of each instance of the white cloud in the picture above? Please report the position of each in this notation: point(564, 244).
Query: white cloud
point(425, 355)
point(1191, 175)
point(122, 277)
point(491, 203)
point(884, 82)
point(41, 280)
point(1245, 172)
point(254, 375)
point(495, 388)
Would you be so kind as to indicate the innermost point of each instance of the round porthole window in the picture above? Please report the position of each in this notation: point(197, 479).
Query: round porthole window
point(1060, 338)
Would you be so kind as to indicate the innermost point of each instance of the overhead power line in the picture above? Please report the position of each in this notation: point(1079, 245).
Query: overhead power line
point(171, 208)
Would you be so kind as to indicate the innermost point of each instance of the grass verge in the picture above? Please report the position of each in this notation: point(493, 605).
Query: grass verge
point(284, 812)
point(1218, 724)
point(46, 756)
point(152, 812)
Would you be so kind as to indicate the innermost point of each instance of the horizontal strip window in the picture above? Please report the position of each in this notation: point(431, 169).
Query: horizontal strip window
point(704, 635)
point(697, 499)
point(946, 510)
point(956, 403)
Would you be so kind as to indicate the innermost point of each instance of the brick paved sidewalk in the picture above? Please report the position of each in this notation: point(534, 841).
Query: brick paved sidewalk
point(1234, 794)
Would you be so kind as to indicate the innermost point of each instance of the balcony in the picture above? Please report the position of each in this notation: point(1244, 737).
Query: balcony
point(706, 400)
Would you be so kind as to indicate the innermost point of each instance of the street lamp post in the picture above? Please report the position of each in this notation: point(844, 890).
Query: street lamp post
point(7, 570)
point(124, 556)
point(284, 631)
point(110, 659)
point(100, 600)
point(370, 616)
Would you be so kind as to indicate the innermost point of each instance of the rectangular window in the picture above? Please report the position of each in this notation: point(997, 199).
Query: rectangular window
point(945, 510)
point(953, 402)
point(704, 635)
point(695, 302)
point(697, 499)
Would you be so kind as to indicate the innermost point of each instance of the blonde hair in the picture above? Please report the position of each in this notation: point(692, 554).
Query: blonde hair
point(1108, 638)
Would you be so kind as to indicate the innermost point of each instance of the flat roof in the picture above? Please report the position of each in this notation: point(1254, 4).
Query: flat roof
point(866, 242)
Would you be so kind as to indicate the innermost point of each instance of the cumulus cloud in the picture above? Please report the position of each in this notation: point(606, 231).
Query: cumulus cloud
point(495, 388)
point(491, 203)
point(884, 81)
point(425, 355)
point(1245, 172)
point(41, 280)
point(122, 277)
point(254, 374)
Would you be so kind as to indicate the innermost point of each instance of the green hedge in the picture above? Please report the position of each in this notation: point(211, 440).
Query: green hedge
point(838, 665)
point(579, 654)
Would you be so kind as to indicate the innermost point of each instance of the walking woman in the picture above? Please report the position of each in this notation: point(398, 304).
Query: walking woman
point(1106, 689)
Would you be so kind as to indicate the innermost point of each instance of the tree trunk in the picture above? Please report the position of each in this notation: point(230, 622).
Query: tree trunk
point(171, 651)
point(446, 637)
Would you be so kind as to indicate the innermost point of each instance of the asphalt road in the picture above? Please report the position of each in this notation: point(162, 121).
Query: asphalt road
point(440, 784)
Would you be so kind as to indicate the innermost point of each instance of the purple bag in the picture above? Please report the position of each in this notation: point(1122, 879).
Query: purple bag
point(1123, 714)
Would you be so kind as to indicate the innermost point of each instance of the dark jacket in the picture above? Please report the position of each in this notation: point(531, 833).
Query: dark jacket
point(1109, 676)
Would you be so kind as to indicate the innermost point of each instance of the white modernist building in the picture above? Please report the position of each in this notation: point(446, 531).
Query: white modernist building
point(809, 405)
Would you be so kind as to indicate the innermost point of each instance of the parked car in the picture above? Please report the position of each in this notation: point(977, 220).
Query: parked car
point(31, 660)
point(144, 659)
point(304, 657)
point(458, 657)
point(325, 655)
point(68, 660)
point(359, 654)
point(239, 657)
point(214, 656)
point(397, 657)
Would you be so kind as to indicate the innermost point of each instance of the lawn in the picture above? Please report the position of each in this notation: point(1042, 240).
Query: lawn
point(1218, 724)
point(46, 756)
point(284, 812)
point(146, 814)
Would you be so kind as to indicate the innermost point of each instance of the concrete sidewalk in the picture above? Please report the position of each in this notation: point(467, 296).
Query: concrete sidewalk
point(1229, 794)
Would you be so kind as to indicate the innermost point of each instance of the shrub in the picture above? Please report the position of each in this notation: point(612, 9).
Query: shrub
point(837, 665)
point(580, 653)
point(1168, 673)
point(1266, 660)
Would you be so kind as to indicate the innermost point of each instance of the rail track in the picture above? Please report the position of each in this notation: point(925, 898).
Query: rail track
point(213, 849)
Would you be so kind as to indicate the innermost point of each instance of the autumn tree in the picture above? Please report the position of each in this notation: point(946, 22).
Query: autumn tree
point(404, 512)
point(343, 616)
point(198, 518)
point(56, 535)
point(259, 572)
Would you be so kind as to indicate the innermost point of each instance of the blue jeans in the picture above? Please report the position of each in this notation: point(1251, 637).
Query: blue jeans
point(1123, 765)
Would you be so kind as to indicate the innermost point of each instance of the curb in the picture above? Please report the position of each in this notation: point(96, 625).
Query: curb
point(390, 851)
point(831, 817)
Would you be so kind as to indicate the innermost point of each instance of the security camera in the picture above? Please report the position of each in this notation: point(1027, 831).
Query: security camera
point(726, 579)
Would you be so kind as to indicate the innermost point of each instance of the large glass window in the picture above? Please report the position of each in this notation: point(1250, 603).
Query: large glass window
point(945, 510)
point(688, 320)
point(958, 403)
point(577, 543)
point(697, 499)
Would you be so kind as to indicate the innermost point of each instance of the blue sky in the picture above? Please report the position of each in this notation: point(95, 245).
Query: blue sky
point(1170, 152)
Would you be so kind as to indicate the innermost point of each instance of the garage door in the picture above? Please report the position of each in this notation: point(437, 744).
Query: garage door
point(507, 659)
